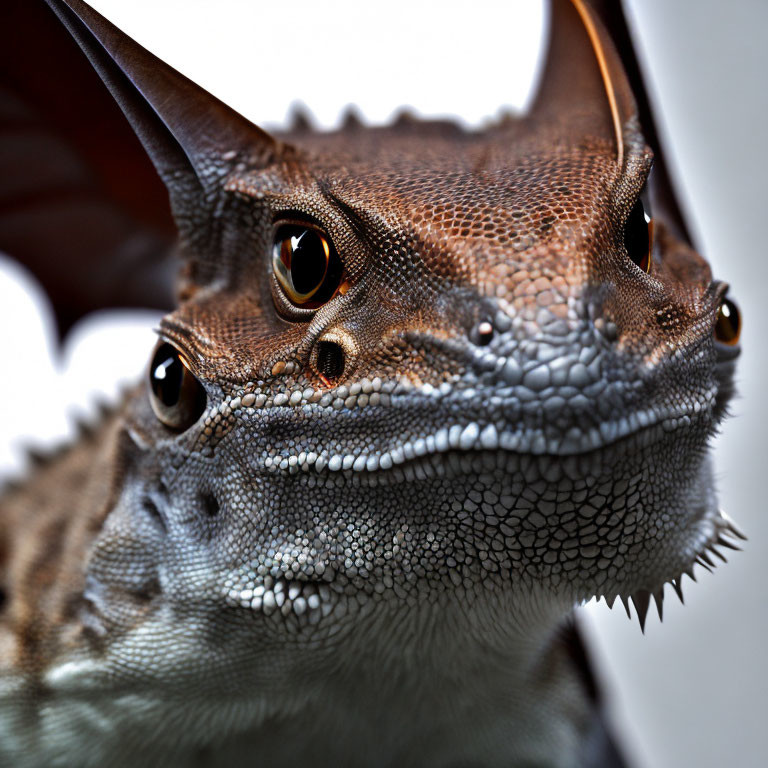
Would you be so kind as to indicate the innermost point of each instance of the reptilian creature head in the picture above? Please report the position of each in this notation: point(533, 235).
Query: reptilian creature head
point(420, 379)
point(416, 363)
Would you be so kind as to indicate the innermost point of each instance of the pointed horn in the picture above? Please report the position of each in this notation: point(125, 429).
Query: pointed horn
point(664, 200)
point(593, 80)
point(182, 127)
point(583, 82)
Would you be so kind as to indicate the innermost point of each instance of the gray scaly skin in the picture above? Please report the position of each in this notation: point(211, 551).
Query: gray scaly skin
point(355, 533)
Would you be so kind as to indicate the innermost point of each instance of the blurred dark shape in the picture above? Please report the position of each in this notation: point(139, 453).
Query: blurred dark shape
point(81, 205)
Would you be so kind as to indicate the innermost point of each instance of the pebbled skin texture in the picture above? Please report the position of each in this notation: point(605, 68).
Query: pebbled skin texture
point(376, 569)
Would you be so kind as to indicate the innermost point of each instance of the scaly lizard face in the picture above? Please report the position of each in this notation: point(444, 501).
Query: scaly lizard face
point(420, 381)
point(494, 397)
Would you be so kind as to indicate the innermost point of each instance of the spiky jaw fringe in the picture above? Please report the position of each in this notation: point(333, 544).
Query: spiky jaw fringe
point(724, 534)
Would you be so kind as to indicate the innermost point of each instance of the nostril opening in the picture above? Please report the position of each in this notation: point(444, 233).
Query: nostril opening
point(210, 504)
point(330, 359)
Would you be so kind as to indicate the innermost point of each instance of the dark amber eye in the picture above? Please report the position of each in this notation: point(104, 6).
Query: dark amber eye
point(177, 397)
point(306, 266)
point(728, 323)
point(638, 236)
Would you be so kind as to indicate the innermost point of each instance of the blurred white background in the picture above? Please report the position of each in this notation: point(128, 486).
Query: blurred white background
point(692, 691)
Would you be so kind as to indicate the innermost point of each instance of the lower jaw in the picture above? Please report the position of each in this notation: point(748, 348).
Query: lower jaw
point(631, 488)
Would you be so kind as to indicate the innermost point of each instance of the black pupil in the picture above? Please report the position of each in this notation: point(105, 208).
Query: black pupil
point(308, 261)
point(166, 375)
point(636, 237)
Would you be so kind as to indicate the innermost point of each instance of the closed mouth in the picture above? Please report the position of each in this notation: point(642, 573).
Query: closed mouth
point(473, 448)
point(380, 428)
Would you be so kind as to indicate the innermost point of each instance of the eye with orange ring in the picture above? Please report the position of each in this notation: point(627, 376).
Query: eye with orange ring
point(306, 266)
point(728, 323)
point(638, 234)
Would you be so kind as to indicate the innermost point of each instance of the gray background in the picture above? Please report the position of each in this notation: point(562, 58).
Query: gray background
point(694, 690)
point(691, 691)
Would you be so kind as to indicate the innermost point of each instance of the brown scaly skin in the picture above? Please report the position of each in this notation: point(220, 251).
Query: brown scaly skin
point(374, 567)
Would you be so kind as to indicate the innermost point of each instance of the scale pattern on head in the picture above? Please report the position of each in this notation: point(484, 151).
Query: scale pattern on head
point(507, 389)
point(512, 394)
